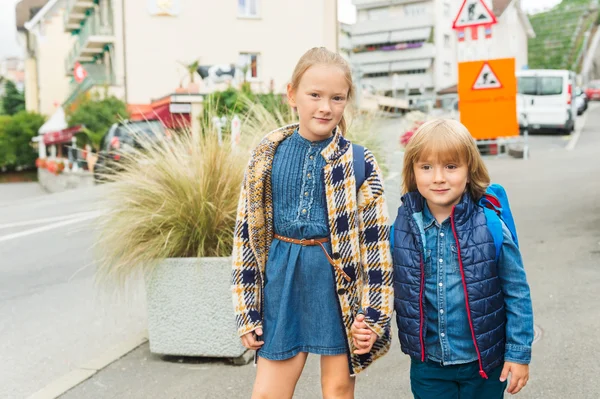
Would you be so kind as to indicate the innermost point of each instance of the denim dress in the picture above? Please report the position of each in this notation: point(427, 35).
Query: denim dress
point(301, 312)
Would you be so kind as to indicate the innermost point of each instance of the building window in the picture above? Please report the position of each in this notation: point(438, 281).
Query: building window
point(414, 10)
point(446, 9)
point(250, 61)
point(447, 69)
point(248, 8)
point(447, 41)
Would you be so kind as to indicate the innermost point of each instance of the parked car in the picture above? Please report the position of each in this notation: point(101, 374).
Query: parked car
point(593, 90)
point(545, 99)
point(581, 100)
point(121, 138)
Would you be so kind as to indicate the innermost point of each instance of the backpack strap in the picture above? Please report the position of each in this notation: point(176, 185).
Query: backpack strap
point(497, 212)
point(495, 228)
point(358, 156)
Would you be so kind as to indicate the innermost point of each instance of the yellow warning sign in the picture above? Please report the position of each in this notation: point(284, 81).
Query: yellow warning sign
point(487, 94)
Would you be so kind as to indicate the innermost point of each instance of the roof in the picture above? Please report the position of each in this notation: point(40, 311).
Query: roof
point(498, 6)
point(449, 90)
point(40, 14)
point(57, 122)
point(26, 9)
point(159, 110)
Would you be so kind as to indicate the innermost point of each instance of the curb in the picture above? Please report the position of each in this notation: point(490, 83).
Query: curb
point(75, 377)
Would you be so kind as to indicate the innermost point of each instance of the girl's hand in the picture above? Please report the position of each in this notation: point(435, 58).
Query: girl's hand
point(362, 336)
point(250, 342)
point(519, 376)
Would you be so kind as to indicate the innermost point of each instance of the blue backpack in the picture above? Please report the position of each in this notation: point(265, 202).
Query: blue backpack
point(358, 156)
point(497, 210)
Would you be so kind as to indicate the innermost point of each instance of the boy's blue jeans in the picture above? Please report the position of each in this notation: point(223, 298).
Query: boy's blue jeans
point(431, 380)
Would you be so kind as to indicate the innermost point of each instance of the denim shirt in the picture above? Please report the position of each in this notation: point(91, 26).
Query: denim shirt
point(299, 203)
point(449, 339)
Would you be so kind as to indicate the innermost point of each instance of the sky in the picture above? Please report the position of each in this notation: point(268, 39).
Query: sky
point(346, 13)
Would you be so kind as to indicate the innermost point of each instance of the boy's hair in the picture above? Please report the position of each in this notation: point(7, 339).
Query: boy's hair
point(320, 55)
point(445, 140)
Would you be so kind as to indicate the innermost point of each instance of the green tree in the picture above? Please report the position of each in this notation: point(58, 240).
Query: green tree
point(6, 152)
point(16, 133)
point(13, 100)
point(97, 116)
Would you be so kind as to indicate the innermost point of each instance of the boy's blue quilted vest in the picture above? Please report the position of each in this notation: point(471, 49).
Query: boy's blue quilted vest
point(477, 260)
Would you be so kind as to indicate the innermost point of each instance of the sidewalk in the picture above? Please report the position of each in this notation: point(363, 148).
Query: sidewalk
point(555, 198)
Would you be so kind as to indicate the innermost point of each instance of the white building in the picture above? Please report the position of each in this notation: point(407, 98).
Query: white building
point(138, 46)
point(12, 68)
point(405, 44)
point(46, 44)
point(138, 49)
point(511, 34)
point(409, 45)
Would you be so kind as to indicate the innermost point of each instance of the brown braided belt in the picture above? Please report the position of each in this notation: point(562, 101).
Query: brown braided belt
point(314, 242)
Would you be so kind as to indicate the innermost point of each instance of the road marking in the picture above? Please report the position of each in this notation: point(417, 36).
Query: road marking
point(575, 137)
point(90, 215)
point(41, 221)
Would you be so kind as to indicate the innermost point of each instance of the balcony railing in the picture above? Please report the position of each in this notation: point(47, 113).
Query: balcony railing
point(360, 4)
point(97, 75)
point(75, 12)
point(412, 81)
point(96, 32)
point(426, 50)
point(392, 24)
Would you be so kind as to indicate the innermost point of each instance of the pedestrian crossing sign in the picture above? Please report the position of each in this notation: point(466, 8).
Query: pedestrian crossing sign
point(486, 79)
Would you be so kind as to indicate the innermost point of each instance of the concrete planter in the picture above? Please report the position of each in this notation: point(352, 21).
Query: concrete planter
point(189, 308)
point(65, 180)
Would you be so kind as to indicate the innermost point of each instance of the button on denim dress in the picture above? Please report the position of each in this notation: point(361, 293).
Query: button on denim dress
point(301, 311)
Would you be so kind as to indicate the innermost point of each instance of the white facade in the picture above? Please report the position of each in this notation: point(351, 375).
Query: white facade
point(47, 44)
point(424, 58)
point(149, 40)
point(428, 54)
point(509, 38)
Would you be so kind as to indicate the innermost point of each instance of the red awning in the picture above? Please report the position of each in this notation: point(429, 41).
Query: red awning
point(160, 110)
point(171, 121)
point(61, 136)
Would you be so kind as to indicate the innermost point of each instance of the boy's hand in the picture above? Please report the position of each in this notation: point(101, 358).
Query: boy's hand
point(362, 336)
point(250, 342)
point(519, 376)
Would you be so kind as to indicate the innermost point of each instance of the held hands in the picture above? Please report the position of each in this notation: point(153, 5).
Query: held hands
point(519, 376)
point(362, 336)
point(250, 340)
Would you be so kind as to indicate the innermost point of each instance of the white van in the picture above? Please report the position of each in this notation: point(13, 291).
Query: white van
point(545, 99)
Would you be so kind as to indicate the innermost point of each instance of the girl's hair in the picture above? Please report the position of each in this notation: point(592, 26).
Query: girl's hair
point(317, 56)
point(445, 140)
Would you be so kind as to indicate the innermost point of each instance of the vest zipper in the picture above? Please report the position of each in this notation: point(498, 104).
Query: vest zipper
point(422, 321)
point(462, 273)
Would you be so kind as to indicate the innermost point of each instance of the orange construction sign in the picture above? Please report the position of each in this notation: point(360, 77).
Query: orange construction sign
point(487, 94)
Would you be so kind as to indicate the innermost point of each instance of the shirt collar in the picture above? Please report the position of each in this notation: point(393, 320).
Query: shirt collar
point(428, 219)
point(297, 137)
